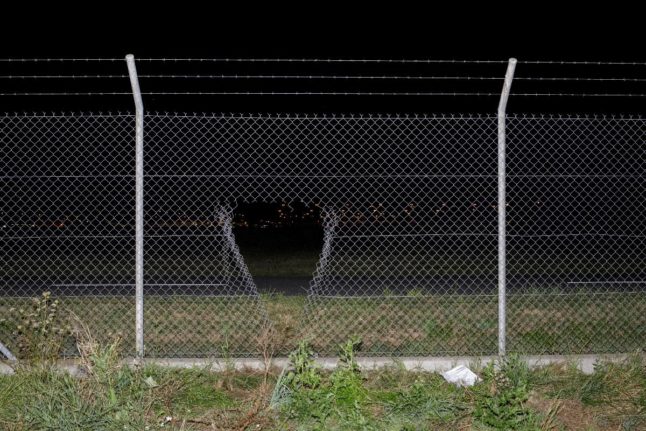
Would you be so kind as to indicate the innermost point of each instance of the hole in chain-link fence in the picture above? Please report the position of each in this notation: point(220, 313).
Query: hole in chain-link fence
point(409, 211)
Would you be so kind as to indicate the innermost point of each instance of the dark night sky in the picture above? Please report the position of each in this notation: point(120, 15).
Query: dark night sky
point(441, 35)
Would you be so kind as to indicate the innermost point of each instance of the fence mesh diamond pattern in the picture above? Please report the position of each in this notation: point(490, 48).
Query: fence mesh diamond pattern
point(576, 234)
point(68, 211)
point(409, 256)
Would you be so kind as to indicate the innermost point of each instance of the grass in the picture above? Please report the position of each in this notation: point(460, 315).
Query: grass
point(413, 325)
point(110, 396)
point(539, 321)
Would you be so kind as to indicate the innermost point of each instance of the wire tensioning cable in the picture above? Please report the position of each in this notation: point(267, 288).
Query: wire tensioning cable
point(584, 63)
point(280, 77)
point(45, 60)
point(62, 76)
point(252, 93)
point(335, 77)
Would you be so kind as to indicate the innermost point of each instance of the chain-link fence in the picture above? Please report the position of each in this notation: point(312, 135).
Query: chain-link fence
point(406, 258)
point(67, 218)
point(409, 259)
point(576, 234)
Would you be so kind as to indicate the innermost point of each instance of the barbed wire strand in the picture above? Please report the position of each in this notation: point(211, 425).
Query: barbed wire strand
point(225, 76)
point(309, 93)
point(61, 76)
point(44, 60)
point(322, 60)
point(330, 60)
point(584, 63)
point(568, 78)
point(375, 60)
point(257, 60)
point(250, 93)
point(332, 77)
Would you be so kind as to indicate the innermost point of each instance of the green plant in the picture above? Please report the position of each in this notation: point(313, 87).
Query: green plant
point(410, 401)
point(620, 388)
point(593, 388)
point(515, 370)
point(8, 389)
point(347, 355)
point(297, 390)
point(305, 372)
point(40, 329)
point(422, 400)
point(346, 380)
point(501, 400)
point(355, 419)
point(60, 402)
point(338, 399)
point(106, 395)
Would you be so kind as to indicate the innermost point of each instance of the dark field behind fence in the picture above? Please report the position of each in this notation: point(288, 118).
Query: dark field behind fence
point(429, 325)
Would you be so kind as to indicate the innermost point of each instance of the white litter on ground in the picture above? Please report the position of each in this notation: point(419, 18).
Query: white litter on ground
point(461, 376)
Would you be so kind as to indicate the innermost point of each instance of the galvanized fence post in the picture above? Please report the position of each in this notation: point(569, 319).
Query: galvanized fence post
point(139, 206)
point(502, 209)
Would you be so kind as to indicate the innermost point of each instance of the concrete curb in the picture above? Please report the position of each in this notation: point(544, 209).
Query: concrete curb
point(585, 363)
